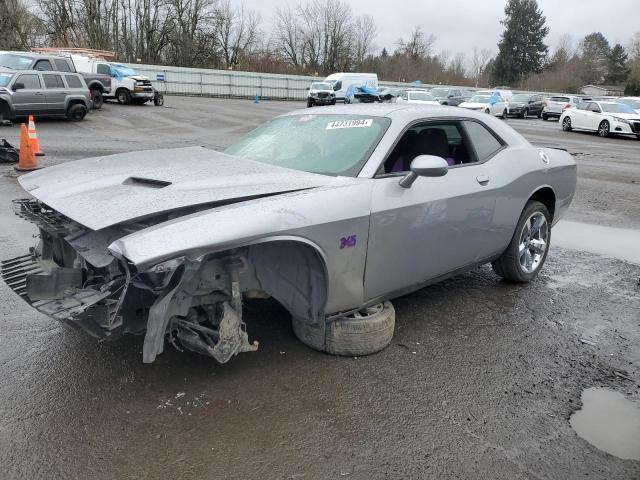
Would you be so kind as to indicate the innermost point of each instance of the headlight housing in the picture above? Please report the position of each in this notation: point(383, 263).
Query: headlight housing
point(621, 120)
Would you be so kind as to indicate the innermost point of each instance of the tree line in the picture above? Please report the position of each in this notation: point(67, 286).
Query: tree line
point(314, 37)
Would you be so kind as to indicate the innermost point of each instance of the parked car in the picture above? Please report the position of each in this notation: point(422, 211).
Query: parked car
point(42, 94)
point(417, 96)
point(633, 102)
point(356, 205)
point(554, 106)
point(605, 118)
point(504, 93)
point(524, 105)
point(99, 85)
point(450, 96)
point(342, 81)
point(487, 102)
point(361, 94)
point(320, 93)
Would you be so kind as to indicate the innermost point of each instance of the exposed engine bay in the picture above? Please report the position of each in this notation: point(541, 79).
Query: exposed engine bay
point(195, 303)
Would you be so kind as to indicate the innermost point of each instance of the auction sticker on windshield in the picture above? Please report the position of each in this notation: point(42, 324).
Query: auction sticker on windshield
point(359, 123)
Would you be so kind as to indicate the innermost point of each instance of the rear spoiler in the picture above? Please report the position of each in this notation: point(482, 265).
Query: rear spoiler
point(555, 146)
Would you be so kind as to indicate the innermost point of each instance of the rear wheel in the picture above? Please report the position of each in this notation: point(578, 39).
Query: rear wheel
point(158, 99)
point(566, 124)
point(524, 257)
point(525, 114)
point(545, 117)
point(98, 99)
point(76, 112)
point(504, 114)
point(309, 103)
point(604, 129)
point(123, 96)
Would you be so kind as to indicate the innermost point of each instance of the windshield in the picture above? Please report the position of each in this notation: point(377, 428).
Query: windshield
point(327, 144)
point(616, 108)
point(632, 103)
point(5, 78)
point(15, 62)
point(440, 92)
point(521, 97)
point(320, 86)
point(422, 96)
point(480, 99)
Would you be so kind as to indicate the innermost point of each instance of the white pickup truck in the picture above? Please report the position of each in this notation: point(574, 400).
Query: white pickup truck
point(126, 86)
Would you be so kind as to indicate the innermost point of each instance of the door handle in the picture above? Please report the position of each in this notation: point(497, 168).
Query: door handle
point(40, 94)
point(483, 179)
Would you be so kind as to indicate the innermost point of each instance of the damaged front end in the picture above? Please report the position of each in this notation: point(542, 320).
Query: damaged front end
point(71, 276)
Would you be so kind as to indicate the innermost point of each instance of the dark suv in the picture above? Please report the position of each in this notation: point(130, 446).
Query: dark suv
point(450, 96)
point(525, 105)
point(32, 92)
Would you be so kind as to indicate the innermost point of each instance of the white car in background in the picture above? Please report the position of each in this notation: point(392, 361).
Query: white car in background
point(633, 102)
point(605, 118)
point(488, 102)
point(417, 96)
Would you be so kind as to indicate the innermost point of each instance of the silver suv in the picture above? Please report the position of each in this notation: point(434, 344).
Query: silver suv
point(32, 92)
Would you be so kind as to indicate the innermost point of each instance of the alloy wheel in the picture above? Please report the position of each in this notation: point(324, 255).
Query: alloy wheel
point(603, 129)
point(534, 241)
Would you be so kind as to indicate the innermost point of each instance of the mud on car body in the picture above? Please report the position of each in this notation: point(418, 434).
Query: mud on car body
point(332, 213)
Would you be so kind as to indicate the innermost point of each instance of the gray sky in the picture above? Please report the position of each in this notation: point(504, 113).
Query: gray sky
point(459, 25)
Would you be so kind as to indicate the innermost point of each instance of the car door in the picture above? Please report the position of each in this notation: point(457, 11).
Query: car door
point(31, 99)
point(536, 107)
point(434, 227)
point(594, 116)
point(56, 92)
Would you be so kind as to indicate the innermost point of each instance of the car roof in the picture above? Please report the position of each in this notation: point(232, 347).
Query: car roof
point(398, 111)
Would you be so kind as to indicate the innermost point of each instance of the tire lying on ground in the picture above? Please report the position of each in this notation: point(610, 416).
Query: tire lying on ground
point(361, 333)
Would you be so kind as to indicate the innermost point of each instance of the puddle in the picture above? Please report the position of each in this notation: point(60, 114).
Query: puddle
point(609, 422)
point(618, 243)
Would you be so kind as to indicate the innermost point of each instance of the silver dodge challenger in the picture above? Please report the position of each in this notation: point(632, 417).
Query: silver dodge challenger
point(331, 213)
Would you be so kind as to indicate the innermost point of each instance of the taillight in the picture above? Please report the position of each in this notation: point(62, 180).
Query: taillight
point(568, 105)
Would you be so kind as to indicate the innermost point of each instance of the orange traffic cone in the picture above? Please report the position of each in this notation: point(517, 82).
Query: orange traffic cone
point(27, 159)
point(33, 138)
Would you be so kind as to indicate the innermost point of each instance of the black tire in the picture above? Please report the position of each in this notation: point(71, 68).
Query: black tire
point(123, 96)
point(525, 114)
point(76, 112)
point(539, 115)
point(545, 117)
point(604, 129)
point(158, 99)
point(509, 265)
point(363, 333)
point(98, 99)
point(504, 114)
point(566, 124)
point(333, 102)
point(309, 103)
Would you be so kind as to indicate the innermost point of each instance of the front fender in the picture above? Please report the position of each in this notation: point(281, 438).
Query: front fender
point(335, 221)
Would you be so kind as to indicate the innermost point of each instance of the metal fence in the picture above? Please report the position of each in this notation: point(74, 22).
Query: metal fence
point(233, 84)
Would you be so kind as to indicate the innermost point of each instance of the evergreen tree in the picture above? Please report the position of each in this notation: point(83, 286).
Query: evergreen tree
point(522, 49)
point(595, 56)
point(617, 65)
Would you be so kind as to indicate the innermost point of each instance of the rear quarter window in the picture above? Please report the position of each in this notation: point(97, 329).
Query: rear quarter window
point(62, 65)
point(484, 142)
point(73, 81)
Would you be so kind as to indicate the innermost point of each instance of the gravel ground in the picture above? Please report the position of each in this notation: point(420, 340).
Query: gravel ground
point(479, 381)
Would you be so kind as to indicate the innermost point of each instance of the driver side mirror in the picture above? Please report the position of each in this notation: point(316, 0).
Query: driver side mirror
point(425, 166)
point(18, 86)
point(595, 110)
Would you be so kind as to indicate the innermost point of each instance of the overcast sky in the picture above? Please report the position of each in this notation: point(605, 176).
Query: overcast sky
point(459, 25)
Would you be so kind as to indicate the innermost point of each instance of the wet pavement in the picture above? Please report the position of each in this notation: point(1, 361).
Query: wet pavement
point(480, 381)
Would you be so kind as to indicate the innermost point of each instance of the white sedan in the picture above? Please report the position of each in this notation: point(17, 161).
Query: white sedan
point(488, 102)
point(605, 118)
point(418, 96)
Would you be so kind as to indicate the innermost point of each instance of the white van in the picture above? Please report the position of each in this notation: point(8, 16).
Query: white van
point(342, 81)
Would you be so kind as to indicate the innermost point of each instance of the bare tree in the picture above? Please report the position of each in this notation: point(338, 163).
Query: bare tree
point(235, 32)
point(191, 34)
point(365, 31)
point(479, 61)
point(418, 46)
point(288, 36)
point(19, 28)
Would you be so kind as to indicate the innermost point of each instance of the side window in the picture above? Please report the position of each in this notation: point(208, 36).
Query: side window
point(337, 86)
point(43, 65)
point(593, 107)
point(31, 81)
point(52, 80)
point(444, 140)
point(62, 65)
point(103, 69)
point(483, 140)
point(73, 81)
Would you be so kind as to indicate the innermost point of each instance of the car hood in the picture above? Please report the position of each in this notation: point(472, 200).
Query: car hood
point(104, 191)
point(473, 105)
point(626, 116)
point(139, 78)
